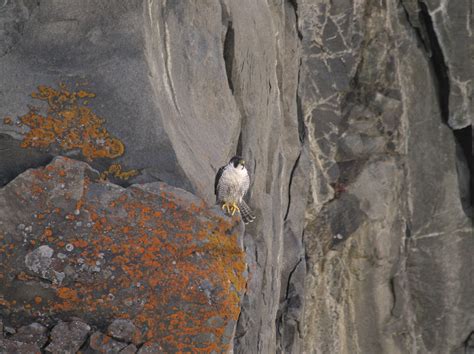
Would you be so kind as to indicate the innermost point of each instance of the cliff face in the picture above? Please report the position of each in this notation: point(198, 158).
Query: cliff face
point(355, 121)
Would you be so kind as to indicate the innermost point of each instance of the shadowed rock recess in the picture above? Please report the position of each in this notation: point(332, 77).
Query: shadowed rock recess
point(354, 118)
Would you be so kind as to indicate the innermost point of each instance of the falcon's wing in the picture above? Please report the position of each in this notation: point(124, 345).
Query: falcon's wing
point(218, 177)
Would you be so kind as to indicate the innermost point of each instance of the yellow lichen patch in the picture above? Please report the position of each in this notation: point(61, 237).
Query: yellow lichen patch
point(116, 171)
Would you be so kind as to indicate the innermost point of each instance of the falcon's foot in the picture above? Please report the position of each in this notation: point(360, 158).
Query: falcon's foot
point(226, 206)
point(234, 207)
point(231, 208)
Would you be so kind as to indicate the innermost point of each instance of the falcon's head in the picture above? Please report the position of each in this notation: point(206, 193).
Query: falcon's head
point(237, 162)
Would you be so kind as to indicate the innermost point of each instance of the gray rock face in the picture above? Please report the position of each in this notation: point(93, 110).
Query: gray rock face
point(124, 330)
point(387, 193)
point(363, 233)
point(445, 29)
point(34, 333)
point(150, 348)
point(129, 349)
point(68, 337)
point(92, 249)
point(10, 346)
point(15, 159)
point(184, 85)
point(102, 343)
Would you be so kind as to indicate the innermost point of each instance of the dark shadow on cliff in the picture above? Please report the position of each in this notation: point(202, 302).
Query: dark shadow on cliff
point(463, 136)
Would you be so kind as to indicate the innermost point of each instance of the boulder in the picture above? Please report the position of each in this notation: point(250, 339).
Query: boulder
point(151, 254)
point(68, 337)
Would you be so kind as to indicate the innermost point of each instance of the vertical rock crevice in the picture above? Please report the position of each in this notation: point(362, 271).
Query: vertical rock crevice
point(299, 113)
point(167, 58)
point(229, 63)
point(289, 185)
point(438, 62)
point(440, 68)
point(229, 54)
point(294, 4)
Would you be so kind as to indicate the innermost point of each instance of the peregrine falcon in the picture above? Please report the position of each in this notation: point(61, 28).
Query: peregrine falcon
point(231, 184)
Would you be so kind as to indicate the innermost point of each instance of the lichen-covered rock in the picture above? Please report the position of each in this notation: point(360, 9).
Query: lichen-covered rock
point(129, 349)
point(184, 85)
point(124, 330)
point(340, 108)
point(34, 333)
point(73, 245)
point(11, 346)
point(150, 348)
point(68, 337)
point(102, 343)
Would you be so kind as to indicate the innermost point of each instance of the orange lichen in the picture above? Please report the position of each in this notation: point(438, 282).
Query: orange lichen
point(7, 121)
point(69, 125)
point(24, 276)
point(68, 294)
point(176, 266)
point(116, 171)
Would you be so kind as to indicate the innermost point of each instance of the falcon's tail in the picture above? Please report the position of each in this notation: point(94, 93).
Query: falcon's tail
point(246, 212)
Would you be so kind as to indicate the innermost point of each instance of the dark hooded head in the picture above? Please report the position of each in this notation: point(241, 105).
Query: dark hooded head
point(236, 161)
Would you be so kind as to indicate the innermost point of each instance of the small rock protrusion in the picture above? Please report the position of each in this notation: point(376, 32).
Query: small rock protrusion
point(104, 344)
point(68, 337)
point(150, 348)
point(39, 260)
point(129, 349)
point(34, 333)
point(9, 330)
point(11, 346)
point(125, 331)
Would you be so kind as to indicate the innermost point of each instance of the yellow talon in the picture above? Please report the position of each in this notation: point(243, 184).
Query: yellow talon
point(231, 208)
point(226, 206)
point(234, 208)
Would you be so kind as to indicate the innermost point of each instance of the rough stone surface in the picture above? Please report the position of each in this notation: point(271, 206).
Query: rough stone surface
point(152, 253)
point(102, 343)
point(343, 110)
point(68, 337)
point(124, 330)
point(386, 213)
point(10, 346)
point(150, 65)
point(34, 333)
point(14, 159)
point(150, 348)
point(470, 344)
point(129, 349)
point(452, 29)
